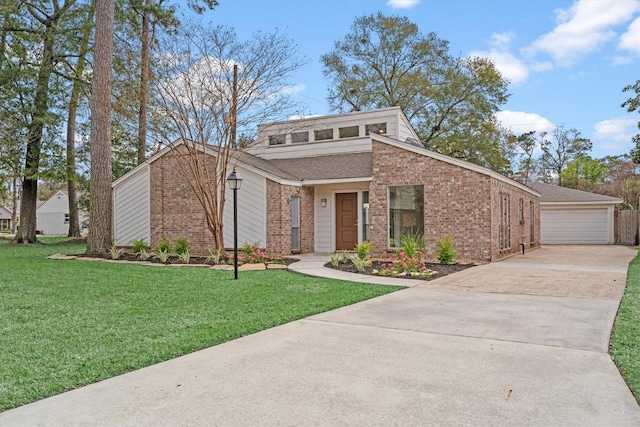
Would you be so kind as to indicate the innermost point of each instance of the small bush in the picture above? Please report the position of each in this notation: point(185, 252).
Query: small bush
point(144, 254)
point(446, 254)
point(335, 260)
point(185, 256)
point(358, 262)
point(251, 253)
point(139, 245)
point(411, 244)
point(345, 256)
point(115, 252)
point(182, 246)
point(164, 245)
point(162, 254)
point(363, 250)
point(214, 257)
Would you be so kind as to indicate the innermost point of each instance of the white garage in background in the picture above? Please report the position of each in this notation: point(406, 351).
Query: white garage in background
point(575, 217)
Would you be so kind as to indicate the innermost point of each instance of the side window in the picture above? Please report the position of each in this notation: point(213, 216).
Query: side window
point(406, 212)
point(295, 223)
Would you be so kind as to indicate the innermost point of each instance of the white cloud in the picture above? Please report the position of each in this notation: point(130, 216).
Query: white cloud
point(582, 28)
point(631, 39)
point(618, 129)
point(402, 4)
point(508, 65)
point(292, 90)
point(520, 122)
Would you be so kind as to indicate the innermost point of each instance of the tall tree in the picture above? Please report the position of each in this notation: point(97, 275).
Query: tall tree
point(566, 145)
point(633, 104)
point(386, 61)
point(101, 208)
point(525, 145)
point(583, 173)
point(194, 89)
point(47, 18)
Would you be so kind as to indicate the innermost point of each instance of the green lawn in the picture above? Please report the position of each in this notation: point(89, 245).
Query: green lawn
point(625, 343)
point(64, 324)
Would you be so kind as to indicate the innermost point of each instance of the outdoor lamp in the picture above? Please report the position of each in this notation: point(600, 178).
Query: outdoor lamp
point(235, 181)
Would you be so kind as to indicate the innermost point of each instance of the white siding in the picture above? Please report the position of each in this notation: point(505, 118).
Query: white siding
point(132, 209)
point(311, 149)
point(325, 216)
point(252, 210)
point(584, 226)
point(50, 216)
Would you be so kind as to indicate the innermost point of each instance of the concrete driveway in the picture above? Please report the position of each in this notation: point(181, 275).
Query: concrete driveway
point(519, 342)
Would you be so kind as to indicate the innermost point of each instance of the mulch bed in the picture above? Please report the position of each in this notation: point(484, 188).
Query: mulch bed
point(172, 260)
point(443, 270)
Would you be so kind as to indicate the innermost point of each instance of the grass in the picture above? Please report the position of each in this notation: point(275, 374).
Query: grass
point(65, 324)
point(625, 342)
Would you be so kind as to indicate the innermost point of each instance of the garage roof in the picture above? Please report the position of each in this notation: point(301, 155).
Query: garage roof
point(555, 194)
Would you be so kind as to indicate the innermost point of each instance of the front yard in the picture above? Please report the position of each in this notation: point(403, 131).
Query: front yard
point(625, 343)
point(65, 324)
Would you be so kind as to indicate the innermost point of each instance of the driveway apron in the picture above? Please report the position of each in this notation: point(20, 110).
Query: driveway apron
point(518, 342)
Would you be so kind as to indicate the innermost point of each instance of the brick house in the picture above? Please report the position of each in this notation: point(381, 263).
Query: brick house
point(324, 184)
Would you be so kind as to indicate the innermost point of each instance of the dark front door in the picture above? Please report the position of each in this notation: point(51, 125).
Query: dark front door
point(346, 221)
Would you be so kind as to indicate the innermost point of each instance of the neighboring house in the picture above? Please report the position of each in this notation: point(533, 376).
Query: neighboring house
point(6, 219)
point(324, 184)
point(571, 216)
point(52, 215)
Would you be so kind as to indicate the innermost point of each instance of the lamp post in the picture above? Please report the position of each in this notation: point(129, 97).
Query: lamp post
point(235, 181)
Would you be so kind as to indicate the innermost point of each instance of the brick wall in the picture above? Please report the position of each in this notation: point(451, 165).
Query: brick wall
point(457, 201)
point(175, 210)
point(279, 218)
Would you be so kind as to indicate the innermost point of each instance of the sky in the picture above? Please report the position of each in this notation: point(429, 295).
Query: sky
point(567, 60)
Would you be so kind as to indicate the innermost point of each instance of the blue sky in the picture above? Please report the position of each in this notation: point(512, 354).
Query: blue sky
point(567, 60)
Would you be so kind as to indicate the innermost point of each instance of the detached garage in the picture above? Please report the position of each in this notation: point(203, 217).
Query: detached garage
point(575, 217)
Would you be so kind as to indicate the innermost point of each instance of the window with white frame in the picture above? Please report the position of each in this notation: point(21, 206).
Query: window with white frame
point(365, 216)
point(323, 134)
point(276, 139)
point(4, 224)
point(299, 137)
point(295, 223)
point(406, 213)
point(349, 132)
point(379, 128)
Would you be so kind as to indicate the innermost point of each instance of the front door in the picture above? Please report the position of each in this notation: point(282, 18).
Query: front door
point(346, 221)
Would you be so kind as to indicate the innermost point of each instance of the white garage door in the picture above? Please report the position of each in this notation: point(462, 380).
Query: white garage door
point(574, 226)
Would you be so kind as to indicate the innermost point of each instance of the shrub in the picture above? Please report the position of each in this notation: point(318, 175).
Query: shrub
point(185, 256)
point(363, 250)
point(144, 254)
point(214, 257)
point(335, 260)
point(162, 254)
point(345, 256)
point(138, 246)
point(115, 252)
point(251, 253)
point(163, 246)
point(446, 254)
point(358, 262)
point(411, 244)
point(182, 246)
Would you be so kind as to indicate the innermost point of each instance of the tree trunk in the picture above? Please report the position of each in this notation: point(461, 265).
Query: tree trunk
point(144, 83)
point(101, 212)
point(14, 205)
point(27, 231)
point(72, 192)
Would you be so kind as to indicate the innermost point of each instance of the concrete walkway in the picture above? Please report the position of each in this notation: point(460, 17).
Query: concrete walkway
point(519, 342)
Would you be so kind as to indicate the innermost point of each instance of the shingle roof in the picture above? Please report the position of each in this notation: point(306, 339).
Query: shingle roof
point(264, 165)
point(334, 166)
point(555, 194)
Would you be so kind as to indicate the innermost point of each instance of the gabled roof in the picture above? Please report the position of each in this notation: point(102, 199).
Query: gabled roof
point(555, 194)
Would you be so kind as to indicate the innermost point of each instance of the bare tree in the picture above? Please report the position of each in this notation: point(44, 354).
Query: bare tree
point(194, 87)
point(566, 145)
point(100, 214)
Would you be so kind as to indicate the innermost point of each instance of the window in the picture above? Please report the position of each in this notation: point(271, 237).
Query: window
point(406, 212)
point(379, 128)
point(276, 139)
point(4, 224)
point(521, 210)
point(504, 223)
point(365, 216)
point(349, 132)
point(323, 134)
point(299, 137)
point(66, 218)
point(532, 217)
point(295, 223)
